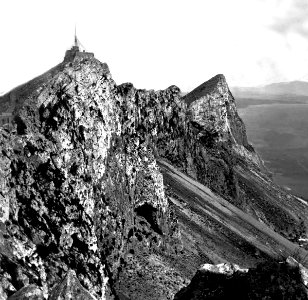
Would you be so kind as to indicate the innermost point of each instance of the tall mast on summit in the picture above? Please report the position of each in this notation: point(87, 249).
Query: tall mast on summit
point(76, 41)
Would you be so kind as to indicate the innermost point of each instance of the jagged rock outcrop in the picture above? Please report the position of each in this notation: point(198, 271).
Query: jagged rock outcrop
point(207, 140)
point(80, 188)
point(70, 288)
point(84, 205)
point(15, 98)
point(28, 292)
point(212, 107)
point(226, 281)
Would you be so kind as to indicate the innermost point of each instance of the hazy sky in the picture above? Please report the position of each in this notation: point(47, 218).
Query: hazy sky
point(155, 44)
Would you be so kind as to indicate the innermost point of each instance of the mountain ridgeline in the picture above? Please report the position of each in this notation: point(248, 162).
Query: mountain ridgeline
point(112, 192)
point(274, 90)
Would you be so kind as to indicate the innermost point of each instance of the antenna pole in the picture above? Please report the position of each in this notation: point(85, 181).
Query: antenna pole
point(76, 42)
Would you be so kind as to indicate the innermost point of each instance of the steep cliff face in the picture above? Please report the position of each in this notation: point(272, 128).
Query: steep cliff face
point(207, 140)
point(80, 188)
point(212, 107)
point(98, 179)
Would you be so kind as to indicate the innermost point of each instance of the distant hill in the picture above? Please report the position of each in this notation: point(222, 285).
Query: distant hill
point(273, 90)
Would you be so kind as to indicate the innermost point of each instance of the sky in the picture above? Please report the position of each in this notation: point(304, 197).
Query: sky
point(155, 44)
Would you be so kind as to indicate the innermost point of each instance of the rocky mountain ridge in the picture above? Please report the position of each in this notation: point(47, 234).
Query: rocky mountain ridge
point(87, 203)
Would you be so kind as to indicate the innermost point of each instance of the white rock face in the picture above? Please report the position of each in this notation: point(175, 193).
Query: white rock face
point(303, 270)
point(4, 190)
point(212, 108)
point(209, 109)
point(224, 268)
point(304, 273)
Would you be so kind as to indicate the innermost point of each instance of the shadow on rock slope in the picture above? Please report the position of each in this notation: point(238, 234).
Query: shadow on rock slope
point(86, 193)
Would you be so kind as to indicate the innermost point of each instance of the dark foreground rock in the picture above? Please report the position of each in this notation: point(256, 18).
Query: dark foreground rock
point(225, 281)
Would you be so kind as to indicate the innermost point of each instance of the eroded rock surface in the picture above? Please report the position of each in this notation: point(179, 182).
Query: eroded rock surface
point(70, 288)
point(207, 140)
point(28, 292)
point(81, 187)
point(83, 202)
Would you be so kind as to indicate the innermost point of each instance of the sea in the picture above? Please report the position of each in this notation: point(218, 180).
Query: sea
point(279, 133)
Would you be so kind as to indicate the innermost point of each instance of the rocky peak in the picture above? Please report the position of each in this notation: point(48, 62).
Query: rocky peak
point(216, 84)
point(82, 188)
point(86, 204)
point(14, 99)
point(211, 107)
